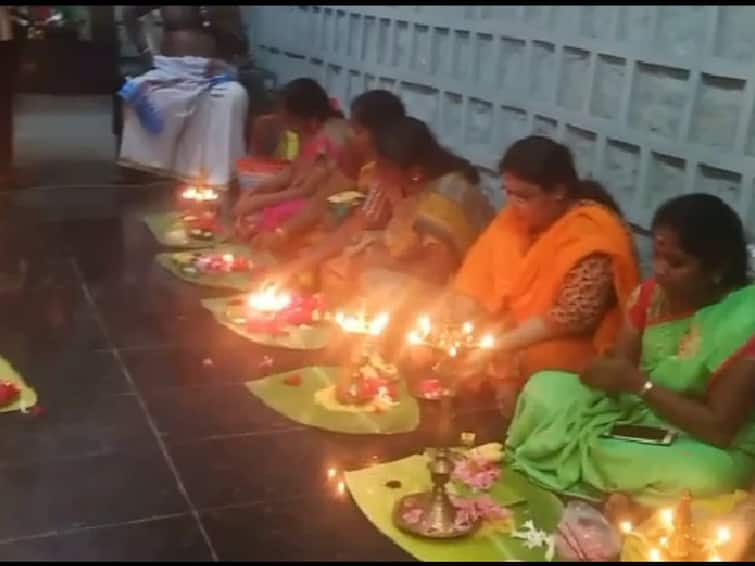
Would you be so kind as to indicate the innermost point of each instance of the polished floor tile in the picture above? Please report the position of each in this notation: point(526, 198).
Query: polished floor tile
point(169, 539)
point(276, 465)
point(40, 497)
point(305, 529)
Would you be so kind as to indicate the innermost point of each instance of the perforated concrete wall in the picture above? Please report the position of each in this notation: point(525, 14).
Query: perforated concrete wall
point(653, 100)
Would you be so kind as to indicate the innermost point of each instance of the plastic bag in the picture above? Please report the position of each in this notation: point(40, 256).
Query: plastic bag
point(585, 535)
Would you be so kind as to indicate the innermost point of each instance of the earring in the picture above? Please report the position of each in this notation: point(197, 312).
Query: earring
point(416, 178)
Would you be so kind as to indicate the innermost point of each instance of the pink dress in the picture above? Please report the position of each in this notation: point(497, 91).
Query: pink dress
point(321, 145)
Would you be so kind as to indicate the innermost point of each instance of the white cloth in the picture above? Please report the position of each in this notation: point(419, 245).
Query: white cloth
point(204, 123)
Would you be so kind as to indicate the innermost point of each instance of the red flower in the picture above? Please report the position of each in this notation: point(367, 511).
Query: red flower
point(8, 393)
point(293, 380)
point(37, 411)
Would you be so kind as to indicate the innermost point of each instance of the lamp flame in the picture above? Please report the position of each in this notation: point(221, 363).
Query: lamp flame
point(667, 517)
point(358, 324)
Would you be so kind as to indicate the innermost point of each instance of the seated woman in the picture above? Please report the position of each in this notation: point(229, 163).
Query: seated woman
point(553, 270)
point(427, 208)
point(322, 133)
point(685, 362)
point(369, 111)
point(186, 117)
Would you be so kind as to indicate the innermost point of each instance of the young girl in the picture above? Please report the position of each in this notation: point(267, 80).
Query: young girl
point(369, 112)
point(322, 133)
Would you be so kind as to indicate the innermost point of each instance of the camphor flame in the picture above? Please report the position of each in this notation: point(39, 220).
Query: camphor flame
point(269, 300)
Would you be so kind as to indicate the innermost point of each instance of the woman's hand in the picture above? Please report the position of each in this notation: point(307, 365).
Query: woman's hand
point(247, 204)
point(613, 375)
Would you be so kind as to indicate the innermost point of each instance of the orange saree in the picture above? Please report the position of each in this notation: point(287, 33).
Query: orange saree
point(517, 278)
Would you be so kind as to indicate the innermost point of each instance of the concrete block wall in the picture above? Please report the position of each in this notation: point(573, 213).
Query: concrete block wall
point(653, 100)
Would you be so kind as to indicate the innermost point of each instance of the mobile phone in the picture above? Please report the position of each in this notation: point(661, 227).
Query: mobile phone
point(643, 434)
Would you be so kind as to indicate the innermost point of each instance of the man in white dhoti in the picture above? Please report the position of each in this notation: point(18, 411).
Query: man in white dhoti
point(186, 117)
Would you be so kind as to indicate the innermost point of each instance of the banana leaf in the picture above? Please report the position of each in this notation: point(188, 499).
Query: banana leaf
point(309, 337)
point(161, 225)
point(28, 397)
point(296, 400)
point(369, 488)
point(233, 280)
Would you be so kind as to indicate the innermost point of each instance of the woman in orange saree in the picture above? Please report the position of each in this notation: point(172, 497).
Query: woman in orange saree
point(553, 271)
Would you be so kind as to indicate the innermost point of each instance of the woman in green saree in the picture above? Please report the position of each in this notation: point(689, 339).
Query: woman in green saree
point(685, 361)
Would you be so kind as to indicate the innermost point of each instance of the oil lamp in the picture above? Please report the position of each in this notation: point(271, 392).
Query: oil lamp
point(434, 514)
point(365, 332)
point(677, 538)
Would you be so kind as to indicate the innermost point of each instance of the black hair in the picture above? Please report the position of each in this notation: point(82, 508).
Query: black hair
point(709, 230)
point(376, 108)
point(408, 142)
point(305, 98)
point(549, 164)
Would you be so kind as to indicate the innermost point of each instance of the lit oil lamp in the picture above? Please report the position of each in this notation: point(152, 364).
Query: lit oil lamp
point(448, 336)
point(436, 515)
point(677, 539)
point(363, 368)
point(200, 206)
point(445, 346)
point(362, 324)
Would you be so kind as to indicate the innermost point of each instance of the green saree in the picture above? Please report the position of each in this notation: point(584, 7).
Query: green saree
point(556, 440)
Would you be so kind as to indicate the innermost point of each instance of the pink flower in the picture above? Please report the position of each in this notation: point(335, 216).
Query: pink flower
point(489, 510)
point(476, 473)
point(481, 507)
point(412, 516)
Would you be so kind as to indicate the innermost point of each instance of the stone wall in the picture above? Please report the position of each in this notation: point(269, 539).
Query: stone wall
point(653, 100)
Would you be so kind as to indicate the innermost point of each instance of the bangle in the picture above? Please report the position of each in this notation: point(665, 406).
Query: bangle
point(647, 387)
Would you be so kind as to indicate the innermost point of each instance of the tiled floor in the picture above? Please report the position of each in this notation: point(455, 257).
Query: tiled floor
point(145, 451)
